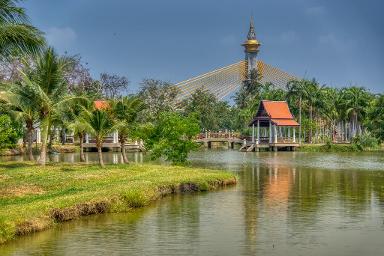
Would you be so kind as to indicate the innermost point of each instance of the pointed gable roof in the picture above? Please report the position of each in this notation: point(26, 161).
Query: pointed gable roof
point(275, 111)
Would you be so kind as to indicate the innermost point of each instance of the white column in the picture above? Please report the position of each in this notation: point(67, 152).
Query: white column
point(258, 132)
point(86, 138)
point(275, 133)
point(270, 132)
point(294, 135)
point(38, 135)
point(289, 132)
point(253, 133)
point(115, 137)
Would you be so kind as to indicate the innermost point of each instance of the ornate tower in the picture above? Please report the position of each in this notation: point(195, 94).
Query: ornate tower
point(251, 48)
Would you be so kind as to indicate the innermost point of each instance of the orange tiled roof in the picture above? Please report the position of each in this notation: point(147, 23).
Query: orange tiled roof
point(277, 109)
point(101, 104)
point(285, 122)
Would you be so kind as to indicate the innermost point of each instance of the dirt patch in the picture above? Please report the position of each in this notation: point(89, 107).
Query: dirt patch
point(19, 191)
point(66, 214)
point(32, 226)
point(3, 177)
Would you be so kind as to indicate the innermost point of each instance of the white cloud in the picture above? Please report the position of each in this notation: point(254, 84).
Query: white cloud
point(61, 37)
point(315, 10)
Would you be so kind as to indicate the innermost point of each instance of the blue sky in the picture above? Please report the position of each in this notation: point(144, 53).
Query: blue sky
point(339, 42)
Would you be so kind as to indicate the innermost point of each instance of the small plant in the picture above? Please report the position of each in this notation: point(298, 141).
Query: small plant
point(365, 141)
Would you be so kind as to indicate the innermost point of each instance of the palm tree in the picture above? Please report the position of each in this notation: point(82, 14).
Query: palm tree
point(16, 34)
point(99, 123)
point(75, 121)
point(296, 92)
point(356, 101)
point(126, 112)
point(79, 128)
point(22, 105)
point(47, 87)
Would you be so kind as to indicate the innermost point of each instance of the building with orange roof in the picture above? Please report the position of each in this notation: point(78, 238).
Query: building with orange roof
point(275, 125)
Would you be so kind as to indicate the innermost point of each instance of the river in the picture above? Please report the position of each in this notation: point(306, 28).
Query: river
point(286, 203)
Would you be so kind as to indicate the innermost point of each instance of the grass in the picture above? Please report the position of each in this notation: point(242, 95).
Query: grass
point(33, 198)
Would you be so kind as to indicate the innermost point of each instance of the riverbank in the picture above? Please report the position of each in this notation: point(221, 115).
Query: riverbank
point(337, 148)
point(33, 198)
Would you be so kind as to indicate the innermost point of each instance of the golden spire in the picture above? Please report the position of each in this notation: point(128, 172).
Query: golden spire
point(251, 45)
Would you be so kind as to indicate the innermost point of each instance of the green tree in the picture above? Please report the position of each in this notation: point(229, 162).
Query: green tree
point(21, 104)
point(355, 101)
point(98, 123)
point(172, 137)
point(47, 87)
point(376, 117)
point(126, 111)
point(158, 96)
point(8, 132)
point(16, 34)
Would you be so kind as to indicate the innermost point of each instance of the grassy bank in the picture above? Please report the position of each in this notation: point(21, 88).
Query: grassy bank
point(336, 148)
point(34, 198)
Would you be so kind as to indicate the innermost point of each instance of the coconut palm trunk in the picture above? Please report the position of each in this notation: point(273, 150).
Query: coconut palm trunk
point(82, 156)
point(43, 151)
point(310, 127)
point(122, 147)
point(99, 145)
point(30, 130)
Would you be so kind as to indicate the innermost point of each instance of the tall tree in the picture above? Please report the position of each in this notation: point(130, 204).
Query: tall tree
point(113, 86)
point(23, 106)
point(99, 123)
point(158, 96)
point(46, 84)
point(126, 111)
point(356, 101)
point(16, 33)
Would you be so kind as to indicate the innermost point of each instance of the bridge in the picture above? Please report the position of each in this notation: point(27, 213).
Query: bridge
point(226, 80)
point(247, 143)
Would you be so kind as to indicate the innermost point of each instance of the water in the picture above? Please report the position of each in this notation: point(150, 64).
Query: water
point(286, 203)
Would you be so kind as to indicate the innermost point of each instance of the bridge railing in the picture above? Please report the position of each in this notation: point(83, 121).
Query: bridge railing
point(219, 135)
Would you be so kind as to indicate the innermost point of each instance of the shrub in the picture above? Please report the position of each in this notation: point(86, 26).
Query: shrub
point(366, 141)
point(9, 132)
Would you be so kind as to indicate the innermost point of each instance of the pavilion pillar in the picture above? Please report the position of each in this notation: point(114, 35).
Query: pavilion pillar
point(294, 135)
point(270, 132)
point(258, 132)
point(86, 138)
point(289, 132)
point(275, 133)
point(253, 133)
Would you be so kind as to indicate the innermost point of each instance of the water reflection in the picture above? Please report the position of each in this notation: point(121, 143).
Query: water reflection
point(90, 157)
point(285, 204)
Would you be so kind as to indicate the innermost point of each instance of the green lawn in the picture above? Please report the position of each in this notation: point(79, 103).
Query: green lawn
point(34, 198)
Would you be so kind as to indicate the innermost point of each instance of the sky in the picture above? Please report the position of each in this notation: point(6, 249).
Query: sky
point(338, 42)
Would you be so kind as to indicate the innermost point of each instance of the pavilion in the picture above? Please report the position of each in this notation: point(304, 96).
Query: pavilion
point(275, 126)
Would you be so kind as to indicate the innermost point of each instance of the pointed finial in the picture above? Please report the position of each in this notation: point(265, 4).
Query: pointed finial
point(251, 32)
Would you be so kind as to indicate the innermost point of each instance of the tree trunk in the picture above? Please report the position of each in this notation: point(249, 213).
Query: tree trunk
point(300, 121)
point(100, 153)
point(82, 156)
point(123, 153)
point(310, 123)
point(30, 142)
point(43, 151)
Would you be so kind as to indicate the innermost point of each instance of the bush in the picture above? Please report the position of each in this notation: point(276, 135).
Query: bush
point(366, 141)
point(9, 132)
